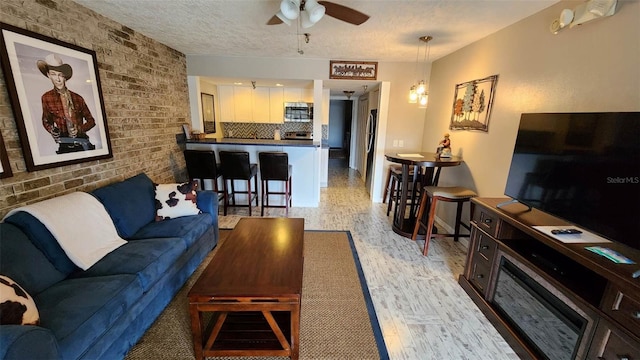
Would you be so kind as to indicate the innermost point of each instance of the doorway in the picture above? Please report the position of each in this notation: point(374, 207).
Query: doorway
point(340, 114)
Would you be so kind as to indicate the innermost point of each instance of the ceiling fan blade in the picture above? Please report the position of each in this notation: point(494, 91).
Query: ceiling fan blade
point(344, 13)
point(275, 20)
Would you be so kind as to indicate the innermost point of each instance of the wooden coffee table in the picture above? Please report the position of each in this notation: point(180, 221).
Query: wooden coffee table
point(251, 292)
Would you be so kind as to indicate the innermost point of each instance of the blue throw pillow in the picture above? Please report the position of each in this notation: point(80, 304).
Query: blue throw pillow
point(130, 203)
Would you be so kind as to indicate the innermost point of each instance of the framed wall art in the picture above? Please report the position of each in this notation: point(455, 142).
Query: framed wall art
point(472, 103)
point(5, 167)
point(56, 97)
point(353, 70)
point(208, 113)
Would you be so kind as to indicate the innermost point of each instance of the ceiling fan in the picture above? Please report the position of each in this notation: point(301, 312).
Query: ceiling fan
point(311, 11)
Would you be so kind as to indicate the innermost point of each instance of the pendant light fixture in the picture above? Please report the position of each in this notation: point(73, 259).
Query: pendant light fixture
point(418, 92)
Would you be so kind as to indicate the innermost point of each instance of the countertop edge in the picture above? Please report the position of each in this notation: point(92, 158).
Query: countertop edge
point(267, 142)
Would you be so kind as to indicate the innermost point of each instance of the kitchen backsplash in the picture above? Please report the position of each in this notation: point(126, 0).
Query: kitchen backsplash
point(265, 131)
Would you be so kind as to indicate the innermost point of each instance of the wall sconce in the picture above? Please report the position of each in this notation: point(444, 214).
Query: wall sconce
point(590, 10)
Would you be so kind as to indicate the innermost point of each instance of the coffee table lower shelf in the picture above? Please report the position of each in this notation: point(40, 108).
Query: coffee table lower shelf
point(246, 327)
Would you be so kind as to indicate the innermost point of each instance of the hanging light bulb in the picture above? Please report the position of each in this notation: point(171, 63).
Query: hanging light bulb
point(422, 87)
point(413, 95)
point(423, 100)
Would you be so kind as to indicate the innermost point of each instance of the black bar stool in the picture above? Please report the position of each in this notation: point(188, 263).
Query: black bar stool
point(202, 165)
point(392, 187)
point(236, 166)
point(274, 166)
point(455, 194)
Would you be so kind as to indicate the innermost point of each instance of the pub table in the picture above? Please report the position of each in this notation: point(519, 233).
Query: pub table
point(427, 166)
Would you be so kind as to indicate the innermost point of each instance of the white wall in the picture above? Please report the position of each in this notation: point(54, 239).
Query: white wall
point(592, 67)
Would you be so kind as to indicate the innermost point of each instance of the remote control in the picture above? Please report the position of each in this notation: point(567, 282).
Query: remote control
point(565, 231)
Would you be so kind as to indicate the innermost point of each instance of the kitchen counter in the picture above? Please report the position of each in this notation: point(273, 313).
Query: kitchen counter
point(304, 157)
point(237, 141)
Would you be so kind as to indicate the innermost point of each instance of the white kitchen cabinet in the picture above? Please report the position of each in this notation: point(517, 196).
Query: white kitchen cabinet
point(260, 105)
point(243, 100)
point(298, 95)
point(292, 95)
point(226, 101)
point(307, 95)
point(276, 105)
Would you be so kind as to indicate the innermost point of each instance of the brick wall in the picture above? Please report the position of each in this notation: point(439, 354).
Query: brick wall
point(144, 84)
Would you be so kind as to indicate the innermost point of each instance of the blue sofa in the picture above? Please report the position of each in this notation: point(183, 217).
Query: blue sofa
point(102, 312)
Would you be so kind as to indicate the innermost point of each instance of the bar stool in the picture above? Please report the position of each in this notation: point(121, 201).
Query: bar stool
point(393, 171)
point(202, 165)
point(394, 182)
point(236, 166)
point(455, 194)
point(274, 166)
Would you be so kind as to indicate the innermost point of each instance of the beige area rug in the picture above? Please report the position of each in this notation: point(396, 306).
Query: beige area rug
point(337, 318)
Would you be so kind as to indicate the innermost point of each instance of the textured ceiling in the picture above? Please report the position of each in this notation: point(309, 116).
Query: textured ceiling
point(238, 27)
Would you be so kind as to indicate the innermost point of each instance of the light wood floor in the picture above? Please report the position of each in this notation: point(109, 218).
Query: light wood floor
point(423, 312)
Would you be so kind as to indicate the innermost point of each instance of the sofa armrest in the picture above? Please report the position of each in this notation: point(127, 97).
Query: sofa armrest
point(207, 202)
point(27, 342)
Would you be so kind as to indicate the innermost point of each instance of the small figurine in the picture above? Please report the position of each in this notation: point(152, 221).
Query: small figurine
point(444, 150)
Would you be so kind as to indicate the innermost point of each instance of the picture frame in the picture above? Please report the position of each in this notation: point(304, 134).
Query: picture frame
point(54, 132)
point(353, 70)
point(5, 166)
point(472, 110)
point(208, 113)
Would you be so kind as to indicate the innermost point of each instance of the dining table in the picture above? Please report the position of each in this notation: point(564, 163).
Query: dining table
point(426, 172)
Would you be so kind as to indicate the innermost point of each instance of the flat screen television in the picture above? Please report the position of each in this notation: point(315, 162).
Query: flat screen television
point(583, 168)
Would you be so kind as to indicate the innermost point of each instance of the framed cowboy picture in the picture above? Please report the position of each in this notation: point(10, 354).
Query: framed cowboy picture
point(56, 97)
point(5, 167)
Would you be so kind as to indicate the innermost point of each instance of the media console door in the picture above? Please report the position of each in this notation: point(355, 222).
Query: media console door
point(613, 300)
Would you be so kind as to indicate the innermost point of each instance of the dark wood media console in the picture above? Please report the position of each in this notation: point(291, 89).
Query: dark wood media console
point(601, 291)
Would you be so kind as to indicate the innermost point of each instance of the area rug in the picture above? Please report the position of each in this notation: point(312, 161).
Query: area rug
point(338, 320)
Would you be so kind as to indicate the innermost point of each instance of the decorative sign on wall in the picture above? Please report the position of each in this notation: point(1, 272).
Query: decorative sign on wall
point(56, 98)
point(353, 70)
point(472, 104)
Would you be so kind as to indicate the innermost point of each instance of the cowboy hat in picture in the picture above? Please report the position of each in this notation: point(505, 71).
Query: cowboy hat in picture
point(53, 62)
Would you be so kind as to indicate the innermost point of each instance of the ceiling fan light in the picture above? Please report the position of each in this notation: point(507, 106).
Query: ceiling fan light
point(305, 21)
point(315, 10)
point(284, 19)
point(290, 9)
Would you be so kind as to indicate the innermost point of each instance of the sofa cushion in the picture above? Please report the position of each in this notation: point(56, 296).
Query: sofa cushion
point(188, 228)
point(176, 200)
point(130, 203)
point(19, 257)
point(16, 305)
point(149, 259)
point(80, 311)
point(43, 240)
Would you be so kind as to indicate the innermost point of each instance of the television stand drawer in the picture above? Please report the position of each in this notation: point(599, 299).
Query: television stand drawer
point(623, 306)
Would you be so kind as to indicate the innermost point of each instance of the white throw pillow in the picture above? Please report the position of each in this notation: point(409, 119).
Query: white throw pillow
point(176, 200)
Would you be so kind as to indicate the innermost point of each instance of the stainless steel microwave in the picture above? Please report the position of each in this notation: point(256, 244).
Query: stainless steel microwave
point(298, 112)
